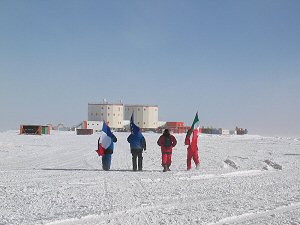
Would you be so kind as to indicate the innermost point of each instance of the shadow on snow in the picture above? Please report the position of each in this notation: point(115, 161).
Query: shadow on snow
point(112, 170)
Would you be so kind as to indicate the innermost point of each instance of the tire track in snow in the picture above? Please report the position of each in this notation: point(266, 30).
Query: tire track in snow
point(151, 212)
point(231, 163)
point(244, 173)
point(273, 164)
point(107, 217)
point(251, 216)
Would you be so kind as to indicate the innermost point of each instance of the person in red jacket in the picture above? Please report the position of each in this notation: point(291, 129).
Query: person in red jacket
point(166, 141)
point(191, 140)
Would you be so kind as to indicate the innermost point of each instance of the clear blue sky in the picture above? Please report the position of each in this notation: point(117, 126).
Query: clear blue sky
point(236, 62)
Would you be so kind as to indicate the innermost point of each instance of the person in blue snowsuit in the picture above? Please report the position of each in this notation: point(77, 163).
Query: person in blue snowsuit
point(137, 145)
point(106, 158)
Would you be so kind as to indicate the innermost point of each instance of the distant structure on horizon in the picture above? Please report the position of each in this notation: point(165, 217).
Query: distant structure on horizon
point(211, 130)
point(117, 115)
point(145, 116)
point(109, 112)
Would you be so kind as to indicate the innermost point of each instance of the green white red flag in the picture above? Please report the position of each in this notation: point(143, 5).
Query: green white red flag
point(195, 126)
point(196, 123)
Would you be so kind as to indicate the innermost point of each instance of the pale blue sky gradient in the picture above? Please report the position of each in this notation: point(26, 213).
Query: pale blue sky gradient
point(236, 62)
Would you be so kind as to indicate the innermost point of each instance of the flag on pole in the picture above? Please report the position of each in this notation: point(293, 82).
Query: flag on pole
point(196, 123)
point(105, 139)
point(195, 129)
point(134, 128)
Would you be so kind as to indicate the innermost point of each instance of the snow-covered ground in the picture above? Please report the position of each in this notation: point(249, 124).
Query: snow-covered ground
point(57, 179)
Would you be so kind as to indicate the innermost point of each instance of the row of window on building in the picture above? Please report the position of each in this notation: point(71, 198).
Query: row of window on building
point(145, 116)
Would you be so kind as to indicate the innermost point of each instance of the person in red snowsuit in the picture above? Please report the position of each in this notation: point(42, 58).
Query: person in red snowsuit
point(166, 141)
point(192, 150)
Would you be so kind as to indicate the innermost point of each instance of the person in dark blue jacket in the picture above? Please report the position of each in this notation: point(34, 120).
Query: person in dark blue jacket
point(137, 145)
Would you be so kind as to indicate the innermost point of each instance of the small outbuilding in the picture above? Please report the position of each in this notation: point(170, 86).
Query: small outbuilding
point(176, 127)
point(46, 129)
point(84, 131)
point(31, 129)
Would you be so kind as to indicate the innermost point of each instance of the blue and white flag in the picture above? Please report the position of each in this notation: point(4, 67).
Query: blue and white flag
point(105, 139)
point(134, 128)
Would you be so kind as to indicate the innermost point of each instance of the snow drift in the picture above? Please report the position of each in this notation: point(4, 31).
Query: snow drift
point(57, 179)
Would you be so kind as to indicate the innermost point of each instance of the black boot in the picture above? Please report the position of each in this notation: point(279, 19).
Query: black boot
point(168, 167)
point(140, 163)
point(134, 164)
point(165, 168)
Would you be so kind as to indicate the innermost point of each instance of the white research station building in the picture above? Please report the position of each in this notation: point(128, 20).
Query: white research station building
point(118, 115)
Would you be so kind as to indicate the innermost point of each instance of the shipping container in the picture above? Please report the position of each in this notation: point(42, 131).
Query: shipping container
point(225, 132)
point(45, 129)
point(31, 129)
point(175, 124)
point(182, 129)
point(84, 131)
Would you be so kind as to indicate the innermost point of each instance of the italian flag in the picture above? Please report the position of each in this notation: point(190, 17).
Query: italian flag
point(195, 127)
point(196, 123)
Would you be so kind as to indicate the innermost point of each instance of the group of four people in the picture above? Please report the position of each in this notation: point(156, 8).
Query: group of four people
point(166, 141)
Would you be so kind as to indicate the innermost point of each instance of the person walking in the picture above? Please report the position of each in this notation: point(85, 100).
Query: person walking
point(166, 141)
point(137, 145)
point(191, 139)
point(192, 150)
point(106, 146)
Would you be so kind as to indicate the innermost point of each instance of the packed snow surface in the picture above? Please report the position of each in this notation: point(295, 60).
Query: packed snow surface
point(57, 179)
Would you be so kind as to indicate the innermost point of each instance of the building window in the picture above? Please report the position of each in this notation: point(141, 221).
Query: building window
point(114, 114)
point(144, 123)
point(96, 114)
point(144, 109)
point(107, 114)
point(101, 114)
